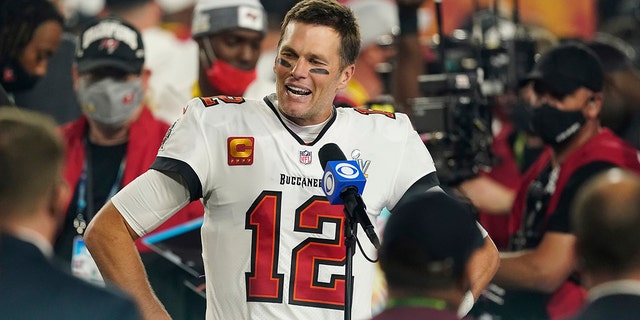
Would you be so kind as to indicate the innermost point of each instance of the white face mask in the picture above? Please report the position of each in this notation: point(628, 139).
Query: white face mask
point(109, 101)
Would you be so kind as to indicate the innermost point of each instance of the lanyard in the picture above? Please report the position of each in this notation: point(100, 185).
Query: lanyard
point(417, 302)
point(85, 191)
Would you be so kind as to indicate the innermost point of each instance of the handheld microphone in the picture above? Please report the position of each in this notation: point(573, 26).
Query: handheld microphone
point(343, 183)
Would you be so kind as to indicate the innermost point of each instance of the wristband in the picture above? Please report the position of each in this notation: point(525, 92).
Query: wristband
point(466, 304)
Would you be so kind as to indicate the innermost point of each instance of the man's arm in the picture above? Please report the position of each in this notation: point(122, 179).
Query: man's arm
point(483, 266)
point(110, 240)
point(149, 200)
point(547, 266)
point(542, 269)
point(488, 195)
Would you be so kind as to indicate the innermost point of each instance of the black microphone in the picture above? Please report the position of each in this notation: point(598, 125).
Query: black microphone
point(342, 183)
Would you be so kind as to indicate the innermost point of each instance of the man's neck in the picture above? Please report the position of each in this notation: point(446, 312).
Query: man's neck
point(105, 136)
point(596, 279)
point(37, 229)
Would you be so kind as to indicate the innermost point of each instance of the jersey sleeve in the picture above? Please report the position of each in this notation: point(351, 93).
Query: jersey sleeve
point(185, 149)
point(150, 200)
point(414, 163)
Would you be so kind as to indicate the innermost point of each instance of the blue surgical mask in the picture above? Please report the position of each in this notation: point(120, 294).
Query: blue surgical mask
point(109, 101)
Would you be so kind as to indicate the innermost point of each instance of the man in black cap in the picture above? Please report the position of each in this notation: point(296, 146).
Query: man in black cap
point(539, 274)
point(173, 61)
point(426, 246)
point(114, 141)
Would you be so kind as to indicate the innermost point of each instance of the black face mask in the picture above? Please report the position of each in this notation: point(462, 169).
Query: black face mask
point(556, 127)
point(15, 78)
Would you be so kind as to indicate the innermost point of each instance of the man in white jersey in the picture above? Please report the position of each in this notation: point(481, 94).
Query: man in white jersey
point(273, 246)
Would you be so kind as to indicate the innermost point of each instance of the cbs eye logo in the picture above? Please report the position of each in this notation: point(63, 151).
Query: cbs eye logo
point(345, 170)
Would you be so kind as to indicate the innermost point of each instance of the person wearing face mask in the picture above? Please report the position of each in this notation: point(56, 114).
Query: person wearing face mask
point(30, 32)
point(229, 34)
point(114, 141)
point(173, 61)
point(539, 273)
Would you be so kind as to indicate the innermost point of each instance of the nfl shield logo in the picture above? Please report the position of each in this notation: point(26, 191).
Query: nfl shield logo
point(305, 157)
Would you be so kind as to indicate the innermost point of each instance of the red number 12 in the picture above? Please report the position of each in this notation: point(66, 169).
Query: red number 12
point(265, 284)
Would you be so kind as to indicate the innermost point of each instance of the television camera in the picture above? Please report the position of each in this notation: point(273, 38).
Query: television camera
point(476, 65)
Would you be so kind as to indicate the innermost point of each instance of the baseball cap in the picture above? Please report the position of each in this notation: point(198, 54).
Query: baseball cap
point(428, 234)
point(567, 67)
point(213, 16)
point(110, 42)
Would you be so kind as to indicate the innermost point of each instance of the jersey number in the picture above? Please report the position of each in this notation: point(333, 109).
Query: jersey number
point(265, 284)
point(215, 100)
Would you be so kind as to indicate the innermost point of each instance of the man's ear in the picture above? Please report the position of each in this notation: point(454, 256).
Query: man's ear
point(594, 106)
point(346, 75)
point(145, 74)
point(59, 202)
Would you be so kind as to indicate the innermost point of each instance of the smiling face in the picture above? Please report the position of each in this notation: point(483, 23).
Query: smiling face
point(308, 72)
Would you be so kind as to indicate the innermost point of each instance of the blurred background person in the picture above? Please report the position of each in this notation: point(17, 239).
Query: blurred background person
point(172, 61)
point(229, 34)
point(114, 141)
point(539, 271)
point(606, 219)
point(621, 104)
point(33, 197)
point(30, 32)
point(514, 146)
point(62, 106)
point(427, 243)
point(371, 82)
point(177, 17)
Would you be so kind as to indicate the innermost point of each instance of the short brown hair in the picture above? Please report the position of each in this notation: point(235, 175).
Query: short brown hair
point(31, 156)
point(332, 14)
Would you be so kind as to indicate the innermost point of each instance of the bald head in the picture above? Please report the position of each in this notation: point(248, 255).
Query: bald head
point(606, 220)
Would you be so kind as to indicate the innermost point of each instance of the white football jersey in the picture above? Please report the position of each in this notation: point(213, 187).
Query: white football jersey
point(273, 246)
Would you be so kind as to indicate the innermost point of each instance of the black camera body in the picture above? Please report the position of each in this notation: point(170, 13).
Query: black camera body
point(454, 115)
point(454, 120)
